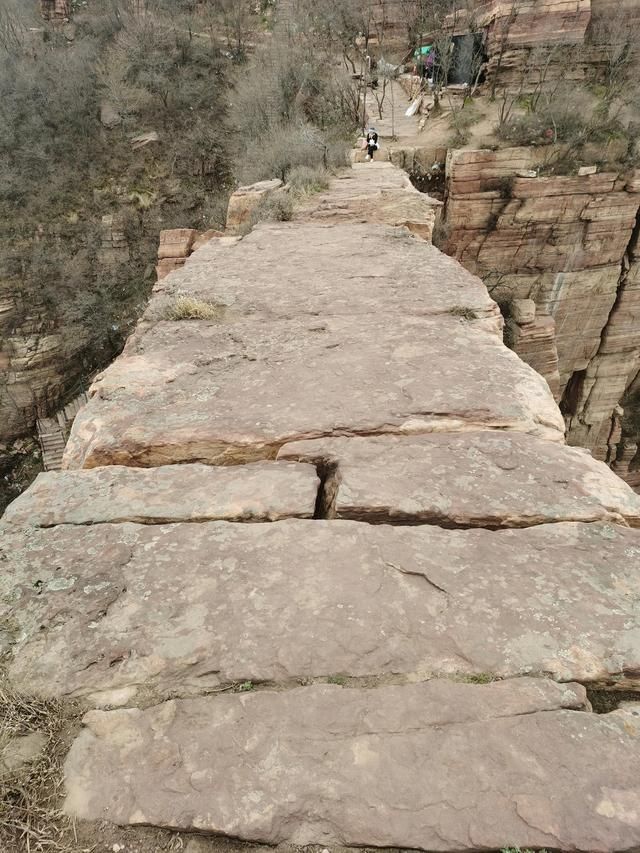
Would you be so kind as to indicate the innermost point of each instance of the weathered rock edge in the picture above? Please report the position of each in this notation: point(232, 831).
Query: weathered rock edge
point(431, 766)
point(197, 391)
point(262, 491)
point(484, 479)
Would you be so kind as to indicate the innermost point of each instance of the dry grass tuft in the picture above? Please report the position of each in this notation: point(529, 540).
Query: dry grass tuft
point(464, 312)
point(307, 180)
point(189, 308)
point(31, 795)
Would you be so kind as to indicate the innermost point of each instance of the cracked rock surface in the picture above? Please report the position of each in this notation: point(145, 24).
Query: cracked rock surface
point(474, 479)
point(153, 609)
point(194, 391)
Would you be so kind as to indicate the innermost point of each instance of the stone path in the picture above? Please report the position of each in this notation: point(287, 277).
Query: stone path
point(323, 568)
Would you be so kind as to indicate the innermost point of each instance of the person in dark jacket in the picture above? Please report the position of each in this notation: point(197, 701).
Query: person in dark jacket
point(372, 142)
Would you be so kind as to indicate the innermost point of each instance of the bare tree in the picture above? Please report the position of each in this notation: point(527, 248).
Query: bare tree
point(238, 20)
point(502, 31)
point(617, 40)
point(12, 31)
point(389, 72)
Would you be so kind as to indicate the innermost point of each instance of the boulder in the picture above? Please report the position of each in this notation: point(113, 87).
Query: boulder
point(176, 243)
point(244, 201)
point(523, 311)
point(535, 343)
point(168, 265)
point(204, 238)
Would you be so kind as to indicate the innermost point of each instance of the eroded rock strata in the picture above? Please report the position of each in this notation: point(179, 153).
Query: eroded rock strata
point(323, 569)
point(570, 245)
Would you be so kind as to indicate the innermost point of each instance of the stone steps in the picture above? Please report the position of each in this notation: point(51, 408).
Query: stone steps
point(53, 433)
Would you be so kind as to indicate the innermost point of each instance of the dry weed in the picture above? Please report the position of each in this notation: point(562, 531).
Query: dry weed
point(31, 820)
point(189, 308)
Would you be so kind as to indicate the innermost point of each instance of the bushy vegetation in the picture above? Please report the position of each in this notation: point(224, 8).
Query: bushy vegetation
point(189, 308)
point(291, 108)
point(151, 79)
point(129, 115)
point(305, 180)
point(30, 815)
point(567, 114)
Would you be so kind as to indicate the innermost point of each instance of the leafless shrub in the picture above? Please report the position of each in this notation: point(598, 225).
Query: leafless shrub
point(569, 115)
point(277, 207)
point(281, 149)
point(305, 180)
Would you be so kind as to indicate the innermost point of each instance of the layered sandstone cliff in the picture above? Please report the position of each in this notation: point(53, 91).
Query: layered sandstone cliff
point(43, 334)
point(570, 245)
point(570, 39)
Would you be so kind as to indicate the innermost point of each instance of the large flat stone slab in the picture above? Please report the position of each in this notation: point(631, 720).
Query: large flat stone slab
point(472, 479)
point(148, 611)
point(196, 391)
point(435, 766)
point(262, 491)
point(288, 269)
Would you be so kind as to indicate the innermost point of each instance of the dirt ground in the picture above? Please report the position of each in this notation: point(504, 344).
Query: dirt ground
point(437, 130)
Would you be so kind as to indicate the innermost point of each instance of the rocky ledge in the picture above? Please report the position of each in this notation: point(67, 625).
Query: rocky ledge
point(321, 567)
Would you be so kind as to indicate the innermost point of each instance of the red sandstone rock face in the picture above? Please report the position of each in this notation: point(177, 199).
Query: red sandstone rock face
point(560, 241)
point(537, 22)
point(33, 362)
point(437, 766)
point(245, 200)
point(429, 479)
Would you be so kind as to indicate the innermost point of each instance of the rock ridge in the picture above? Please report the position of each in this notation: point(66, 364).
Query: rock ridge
point(395, 652)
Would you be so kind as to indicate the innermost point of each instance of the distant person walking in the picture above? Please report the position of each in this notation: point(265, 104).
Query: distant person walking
point(372, 142)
